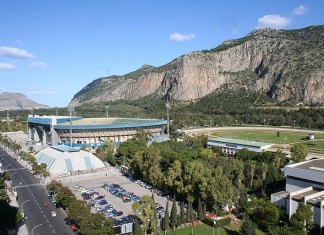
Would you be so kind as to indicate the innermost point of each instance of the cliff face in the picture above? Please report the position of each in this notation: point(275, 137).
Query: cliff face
point(284, 64)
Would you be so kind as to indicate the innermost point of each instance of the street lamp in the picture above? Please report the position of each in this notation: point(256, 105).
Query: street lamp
point(36, 227)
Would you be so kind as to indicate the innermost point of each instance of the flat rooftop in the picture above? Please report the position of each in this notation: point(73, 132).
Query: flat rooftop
point(240, 142)
point(312, 165)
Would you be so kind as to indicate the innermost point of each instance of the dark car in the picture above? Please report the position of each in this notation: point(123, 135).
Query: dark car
point(119, 213)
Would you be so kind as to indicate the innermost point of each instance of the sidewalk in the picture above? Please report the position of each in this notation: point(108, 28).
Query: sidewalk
point(22, 230)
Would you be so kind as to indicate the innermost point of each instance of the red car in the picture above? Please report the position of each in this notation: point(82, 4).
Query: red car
point(45, 204)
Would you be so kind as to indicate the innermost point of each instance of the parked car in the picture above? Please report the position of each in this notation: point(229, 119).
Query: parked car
point(103, 202)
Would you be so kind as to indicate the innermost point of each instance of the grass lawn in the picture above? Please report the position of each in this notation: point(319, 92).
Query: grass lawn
point(285, 137)
point(203, 229)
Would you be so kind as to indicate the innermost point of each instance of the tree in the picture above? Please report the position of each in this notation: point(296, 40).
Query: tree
point(182, 213)
point(189, 212)
point(204, 210)
point(144, 209)
point(4, 196)
point(97, 224)
point(166, 222)
point(268, 214)
point(248, 227)
point(137, 228)
point(174, 214)
point(65, 196)
point(54, 186)
point(154, 210)
point(303, 218)
point(252, 172)
point(200, 211)
point(277, 230)
point(298, 152)
point(264, 169)
point(78, 210)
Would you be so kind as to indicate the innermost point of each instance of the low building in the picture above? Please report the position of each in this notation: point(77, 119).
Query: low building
point(304, 183)
point(65, 160)
point(232, 146)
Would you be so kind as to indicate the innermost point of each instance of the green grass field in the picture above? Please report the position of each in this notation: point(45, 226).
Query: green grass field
point(203, 229)
point(285, 137)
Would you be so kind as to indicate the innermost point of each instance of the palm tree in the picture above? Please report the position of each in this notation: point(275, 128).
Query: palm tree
point(264, 168)
point(252, 172)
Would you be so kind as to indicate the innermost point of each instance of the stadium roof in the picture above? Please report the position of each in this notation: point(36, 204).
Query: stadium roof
point(240, 142)
point(62, 159)
point(107, 123)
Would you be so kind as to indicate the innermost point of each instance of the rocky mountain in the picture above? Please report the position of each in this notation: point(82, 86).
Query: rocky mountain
point(284, 64)
point(17, 101)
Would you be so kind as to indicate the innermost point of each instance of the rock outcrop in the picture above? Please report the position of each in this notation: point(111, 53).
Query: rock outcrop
point(285, 64)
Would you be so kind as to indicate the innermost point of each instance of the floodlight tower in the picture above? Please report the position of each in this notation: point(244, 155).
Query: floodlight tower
point(107, 108)
point(71, 109)
point(168, 106)
point(8, 119)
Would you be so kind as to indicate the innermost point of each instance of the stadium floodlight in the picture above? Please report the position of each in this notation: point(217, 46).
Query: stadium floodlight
point(71, 109)
point(168, 106)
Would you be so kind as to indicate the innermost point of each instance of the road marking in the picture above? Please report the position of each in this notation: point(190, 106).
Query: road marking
point(48, 221)
point(53, 231)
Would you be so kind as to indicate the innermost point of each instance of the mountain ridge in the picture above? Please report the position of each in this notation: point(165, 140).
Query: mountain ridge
point(17, 101)
point(284, 64)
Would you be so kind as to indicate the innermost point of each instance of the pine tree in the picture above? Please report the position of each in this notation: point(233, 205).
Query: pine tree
point(182, 213)
point(248, 227)
point(174, 214)
point(194, 216)
point(204, 210)
point(179, 223)
point(200, 211)
point(166, 221)
point(137, 228)
point(189, 213)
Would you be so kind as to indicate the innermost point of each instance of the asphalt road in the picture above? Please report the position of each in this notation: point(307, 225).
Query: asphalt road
point(32, 195)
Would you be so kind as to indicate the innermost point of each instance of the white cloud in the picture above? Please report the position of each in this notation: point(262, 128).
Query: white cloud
point(15, 53)
point(181, 37)
point(300, 10)
point(7, 66)
point(273, 21)
point(38, 65)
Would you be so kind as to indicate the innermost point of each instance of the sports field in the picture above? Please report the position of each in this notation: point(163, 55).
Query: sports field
point(270, 136)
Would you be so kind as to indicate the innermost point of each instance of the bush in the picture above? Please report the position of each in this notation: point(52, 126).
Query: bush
point(221, 222)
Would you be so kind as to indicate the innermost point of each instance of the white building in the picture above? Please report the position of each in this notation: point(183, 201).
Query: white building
point(232, 146)
point(304, 183)
point(65, 160)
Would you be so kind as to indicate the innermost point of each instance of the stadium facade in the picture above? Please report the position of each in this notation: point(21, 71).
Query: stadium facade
point(77, 131)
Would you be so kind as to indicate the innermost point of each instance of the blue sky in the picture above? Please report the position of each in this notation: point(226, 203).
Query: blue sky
point(49, 50)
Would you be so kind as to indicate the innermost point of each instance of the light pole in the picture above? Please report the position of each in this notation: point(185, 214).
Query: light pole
point(7, 166)
point(36, 227)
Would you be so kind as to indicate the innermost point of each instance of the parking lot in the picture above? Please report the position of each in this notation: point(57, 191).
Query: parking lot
point(116, 202)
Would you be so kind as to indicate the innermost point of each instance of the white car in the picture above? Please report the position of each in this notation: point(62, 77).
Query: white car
point(53, 214)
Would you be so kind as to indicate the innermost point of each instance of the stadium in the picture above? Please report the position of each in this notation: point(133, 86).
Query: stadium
point(76, 131)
